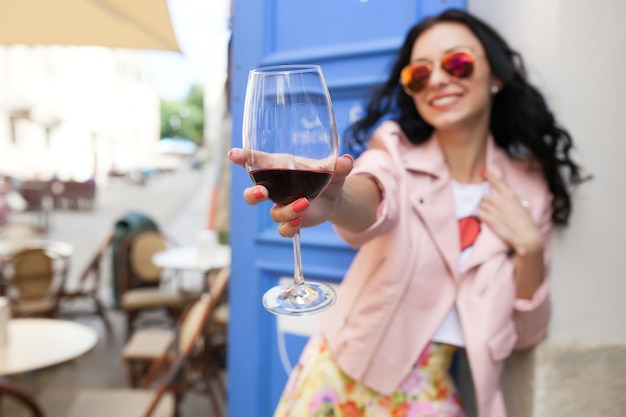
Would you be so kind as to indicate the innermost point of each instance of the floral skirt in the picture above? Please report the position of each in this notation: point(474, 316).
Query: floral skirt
point(318, 388)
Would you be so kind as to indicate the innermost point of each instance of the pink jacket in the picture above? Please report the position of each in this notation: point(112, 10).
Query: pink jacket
point(404, 278)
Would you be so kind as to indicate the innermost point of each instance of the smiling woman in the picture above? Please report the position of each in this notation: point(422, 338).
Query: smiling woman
point(450, 207)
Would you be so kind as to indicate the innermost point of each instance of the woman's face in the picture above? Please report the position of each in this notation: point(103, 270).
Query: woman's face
point(446, 102)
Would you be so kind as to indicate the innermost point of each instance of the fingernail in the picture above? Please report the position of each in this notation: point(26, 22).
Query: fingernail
point(257, 193)
point(482, 171)
point(300, 205)
point(295, 222)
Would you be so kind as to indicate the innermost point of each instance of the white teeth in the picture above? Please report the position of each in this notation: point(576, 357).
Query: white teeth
point(444, 100)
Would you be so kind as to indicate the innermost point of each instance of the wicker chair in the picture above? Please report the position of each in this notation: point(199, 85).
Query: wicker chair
point(140, 284)
point(163, 399)
point(146, 345)
point(34, 279)
point(8, 391)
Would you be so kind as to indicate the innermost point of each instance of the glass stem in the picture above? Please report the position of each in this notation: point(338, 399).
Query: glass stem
point(298, 275)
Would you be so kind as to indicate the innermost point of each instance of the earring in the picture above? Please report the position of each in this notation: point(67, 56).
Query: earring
point(494, 89)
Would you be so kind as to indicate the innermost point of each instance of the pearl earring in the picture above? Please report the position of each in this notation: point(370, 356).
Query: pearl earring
point(494, 89)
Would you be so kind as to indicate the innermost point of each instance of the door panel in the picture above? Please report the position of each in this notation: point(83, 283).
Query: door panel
point(354, 42)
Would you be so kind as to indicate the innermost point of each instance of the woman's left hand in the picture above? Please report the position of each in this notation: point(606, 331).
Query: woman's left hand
point(506, 215)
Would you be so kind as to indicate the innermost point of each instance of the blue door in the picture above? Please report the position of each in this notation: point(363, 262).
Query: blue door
point(354, 41)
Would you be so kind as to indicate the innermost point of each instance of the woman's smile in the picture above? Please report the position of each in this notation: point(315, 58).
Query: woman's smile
point(445, 101)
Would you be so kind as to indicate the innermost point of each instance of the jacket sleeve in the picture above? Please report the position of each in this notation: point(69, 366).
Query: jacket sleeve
point(532, 316)
point(378, 163)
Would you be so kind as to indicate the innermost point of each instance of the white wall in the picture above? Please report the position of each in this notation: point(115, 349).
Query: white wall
point(575, 51)
point(101, 99)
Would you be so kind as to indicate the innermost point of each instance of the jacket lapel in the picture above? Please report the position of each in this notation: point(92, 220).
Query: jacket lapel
point(433, 200)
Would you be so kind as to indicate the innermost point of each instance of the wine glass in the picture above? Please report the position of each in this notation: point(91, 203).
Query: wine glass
point(290, 139)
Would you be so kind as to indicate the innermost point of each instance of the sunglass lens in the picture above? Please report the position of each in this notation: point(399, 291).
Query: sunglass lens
point(414, 77)
point(458, 64)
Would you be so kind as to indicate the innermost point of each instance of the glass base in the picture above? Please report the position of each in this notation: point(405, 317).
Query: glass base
point(302, 300)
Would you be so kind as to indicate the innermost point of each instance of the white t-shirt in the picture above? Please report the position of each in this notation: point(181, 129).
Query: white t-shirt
point(467, 198)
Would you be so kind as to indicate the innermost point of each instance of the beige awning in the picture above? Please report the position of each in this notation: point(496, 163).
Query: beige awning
point(135, 24)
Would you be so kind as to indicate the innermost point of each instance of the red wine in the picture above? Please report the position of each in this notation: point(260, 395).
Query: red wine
point(287, 185)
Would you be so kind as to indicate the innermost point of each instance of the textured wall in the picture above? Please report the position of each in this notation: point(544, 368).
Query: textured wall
point(567, 379)
point(580, 380)
point(570, 53)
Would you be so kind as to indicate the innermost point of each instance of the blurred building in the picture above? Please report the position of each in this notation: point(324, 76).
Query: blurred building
point(75, 112)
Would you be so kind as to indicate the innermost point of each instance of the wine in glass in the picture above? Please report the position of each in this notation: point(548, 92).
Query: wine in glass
point(290, 139)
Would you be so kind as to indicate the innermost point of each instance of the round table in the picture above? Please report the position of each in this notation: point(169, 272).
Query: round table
point(186, 258)
point(60, 249)
point(39, 343)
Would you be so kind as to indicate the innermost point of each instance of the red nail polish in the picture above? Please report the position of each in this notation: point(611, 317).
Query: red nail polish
point(257, 193)
point(295, 222)
point(300, 205)
point(482, 171)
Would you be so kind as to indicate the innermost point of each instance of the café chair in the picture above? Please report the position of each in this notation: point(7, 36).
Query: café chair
point(154, 397)
point(88, 286)
point(147, 345)
point(141, 281)
point(36, 195)
point(34, 279)
point(212, 363)
point(8, 392)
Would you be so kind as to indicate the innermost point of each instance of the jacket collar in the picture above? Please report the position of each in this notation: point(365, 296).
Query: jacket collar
point(428, 158)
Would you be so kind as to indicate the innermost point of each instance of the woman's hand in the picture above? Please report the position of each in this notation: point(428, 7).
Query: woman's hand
point(507, 216)
point(300, 213)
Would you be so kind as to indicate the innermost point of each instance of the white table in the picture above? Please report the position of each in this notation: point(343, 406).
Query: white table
point(39, 343)
point(183, 259)
point(60, 249)
point(186, 258)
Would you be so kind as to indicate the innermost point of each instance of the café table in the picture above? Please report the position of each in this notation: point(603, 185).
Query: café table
point(58, 248)
point(34, 344)
point(189, 259)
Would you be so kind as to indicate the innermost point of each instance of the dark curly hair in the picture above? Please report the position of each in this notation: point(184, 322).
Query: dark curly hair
point(521, 122)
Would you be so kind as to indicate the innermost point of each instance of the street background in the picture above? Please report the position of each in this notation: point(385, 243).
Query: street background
point(179, 203)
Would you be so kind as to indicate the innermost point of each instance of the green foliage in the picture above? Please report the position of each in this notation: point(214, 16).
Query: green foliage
point(184, 118)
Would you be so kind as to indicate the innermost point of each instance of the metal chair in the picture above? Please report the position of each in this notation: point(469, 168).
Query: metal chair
point(164, 398)
point(88, 286)
point(141, 281)
point(37, 195)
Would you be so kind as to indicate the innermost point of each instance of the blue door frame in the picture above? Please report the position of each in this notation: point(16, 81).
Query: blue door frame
point(354, 42)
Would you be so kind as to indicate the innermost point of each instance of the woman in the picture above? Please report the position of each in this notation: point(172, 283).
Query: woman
point(451, 206)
